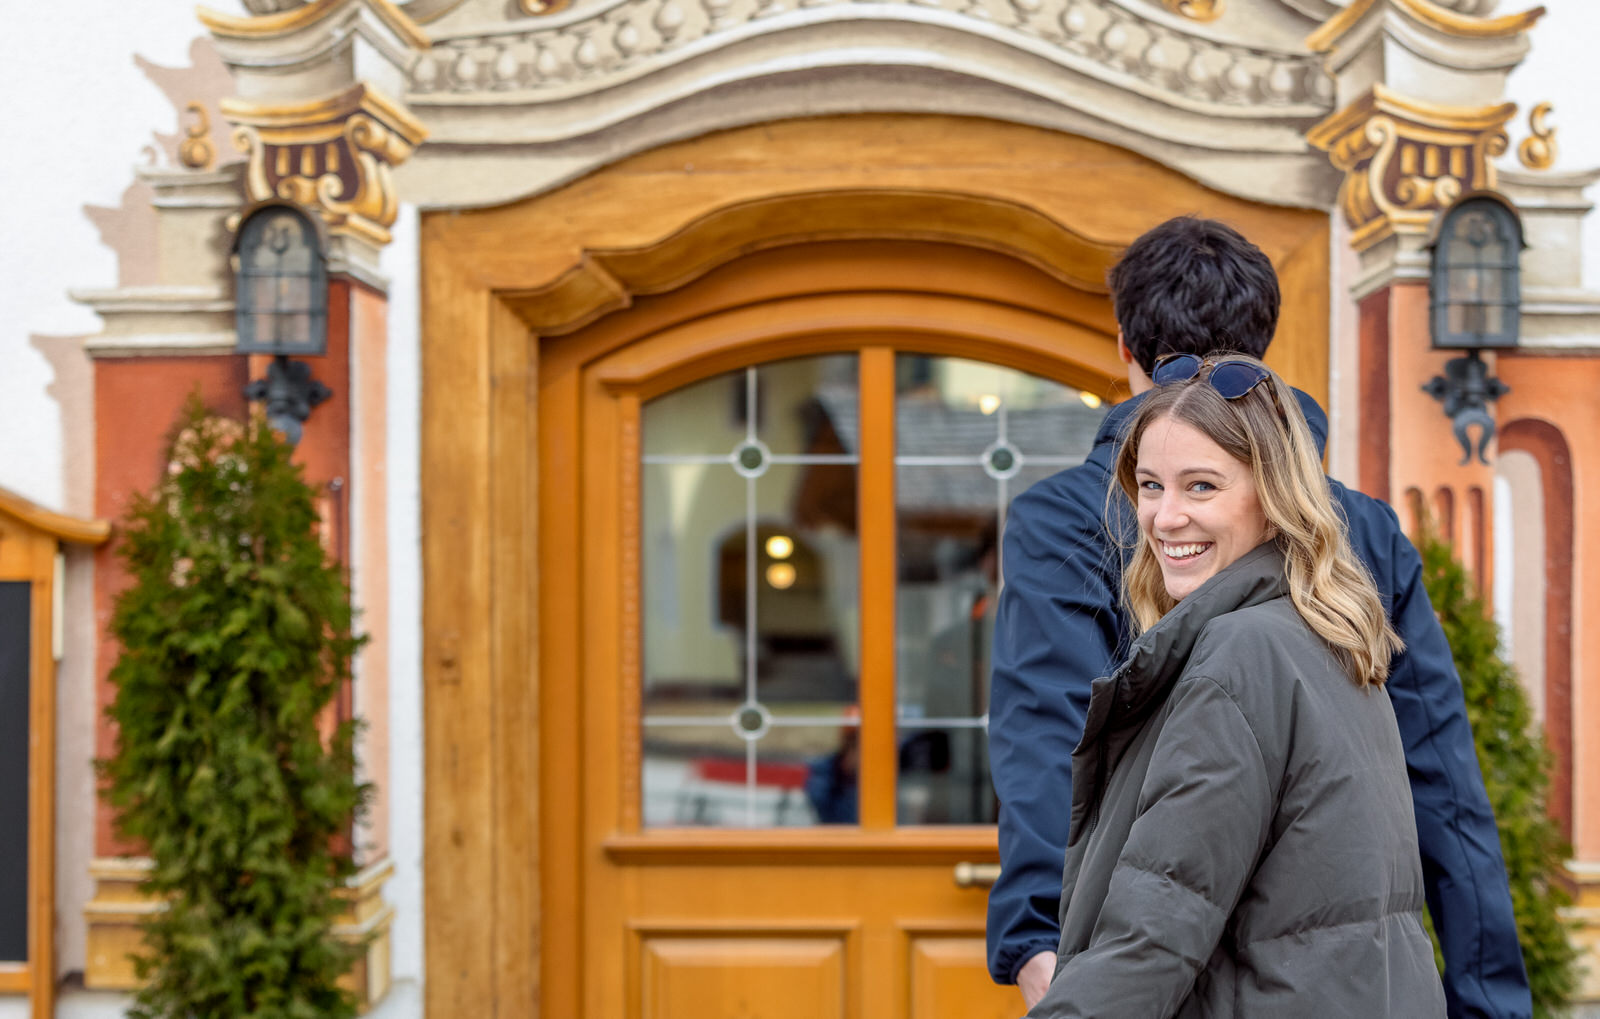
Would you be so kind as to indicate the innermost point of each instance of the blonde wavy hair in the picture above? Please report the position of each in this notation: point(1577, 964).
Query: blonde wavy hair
point(1266, 430)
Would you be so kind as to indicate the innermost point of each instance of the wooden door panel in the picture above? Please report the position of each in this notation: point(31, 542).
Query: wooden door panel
point(950, 980)
point(743, 978)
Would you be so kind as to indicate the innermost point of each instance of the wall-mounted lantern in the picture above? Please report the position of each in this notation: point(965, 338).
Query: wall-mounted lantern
point(1475, 304)
point(281, 309)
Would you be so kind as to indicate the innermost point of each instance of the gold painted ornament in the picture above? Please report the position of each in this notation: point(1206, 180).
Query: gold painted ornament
point(196, 151)
point(1538, 150)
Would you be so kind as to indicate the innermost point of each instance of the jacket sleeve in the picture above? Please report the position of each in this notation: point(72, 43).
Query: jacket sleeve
point(1464, 873)
point(1056, 630)
point(1205, 812)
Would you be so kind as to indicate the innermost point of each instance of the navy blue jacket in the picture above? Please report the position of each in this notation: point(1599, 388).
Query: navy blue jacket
point(1059, 626)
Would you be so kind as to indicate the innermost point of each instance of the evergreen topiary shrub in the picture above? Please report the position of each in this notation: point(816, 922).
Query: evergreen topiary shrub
point(236, 636)
point(1516, 771)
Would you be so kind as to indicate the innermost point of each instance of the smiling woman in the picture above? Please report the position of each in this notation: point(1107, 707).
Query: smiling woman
point(1239, 469)
point(1242, 836)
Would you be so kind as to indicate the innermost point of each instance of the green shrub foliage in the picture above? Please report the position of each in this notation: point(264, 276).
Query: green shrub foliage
point(236, 636)
point(1516, 769)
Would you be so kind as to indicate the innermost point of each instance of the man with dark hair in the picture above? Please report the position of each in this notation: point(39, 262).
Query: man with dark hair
point(1193, 285)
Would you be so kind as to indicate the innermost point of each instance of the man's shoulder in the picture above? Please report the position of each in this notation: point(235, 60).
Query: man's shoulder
point(1378, 540)
point(1370, 519)
point(1068, 502)
point(1081, 485)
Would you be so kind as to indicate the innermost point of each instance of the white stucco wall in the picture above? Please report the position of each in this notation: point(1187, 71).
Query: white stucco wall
point(1562, 69)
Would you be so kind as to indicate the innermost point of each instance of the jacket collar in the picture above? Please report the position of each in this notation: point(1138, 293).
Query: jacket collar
point(1158, 657)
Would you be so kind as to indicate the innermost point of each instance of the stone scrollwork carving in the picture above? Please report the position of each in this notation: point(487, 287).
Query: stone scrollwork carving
point(537, 7)
point(590, 46)
point(336, 156)
point(1404, 160)
point(1538, 150)
point(1199, 10)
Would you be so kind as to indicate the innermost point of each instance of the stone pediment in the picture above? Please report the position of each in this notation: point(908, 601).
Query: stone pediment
point(1196, 94)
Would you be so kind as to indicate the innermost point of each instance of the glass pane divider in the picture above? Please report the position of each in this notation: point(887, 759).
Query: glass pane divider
point(750, 783)
point(876, 681)
point(750, 573)
point(729, 458)
point(815, 458)
point(974, 460)
point(688, 458)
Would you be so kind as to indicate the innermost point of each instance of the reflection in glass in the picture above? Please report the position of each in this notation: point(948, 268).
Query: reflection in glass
point(719, 776)
point(969, 437)
point(751, 606)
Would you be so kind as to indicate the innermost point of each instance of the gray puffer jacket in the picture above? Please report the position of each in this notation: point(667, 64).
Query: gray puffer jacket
point(1242, 836)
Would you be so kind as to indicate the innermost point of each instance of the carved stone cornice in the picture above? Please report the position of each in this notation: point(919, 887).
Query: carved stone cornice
point(308, 52)
point(1440, 54)
point(588, 48)
point(1435, 15)
point(1404, 160)
point(285, 21)
point(334, 155)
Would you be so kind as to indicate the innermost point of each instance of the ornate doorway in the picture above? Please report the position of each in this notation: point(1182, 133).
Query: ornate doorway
point(706, 512)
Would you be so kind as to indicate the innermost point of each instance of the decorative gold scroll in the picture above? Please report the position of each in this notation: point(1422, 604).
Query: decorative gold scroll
point(1538, 150)
point(334, 155)
point(196, 151)
point(1404, 159)
point(1199, 10)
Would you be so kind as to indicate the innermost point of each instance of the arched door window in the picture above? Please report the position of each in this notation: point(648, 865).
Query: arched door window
point(752, 561)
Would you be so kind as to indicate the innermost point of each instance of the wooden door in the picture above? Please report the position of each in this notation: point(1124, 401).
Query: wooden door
point(788, 576)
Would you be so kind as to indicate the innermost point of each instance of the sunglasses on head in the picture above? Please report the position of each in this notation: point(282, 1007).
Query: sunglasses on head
point(1230, 378)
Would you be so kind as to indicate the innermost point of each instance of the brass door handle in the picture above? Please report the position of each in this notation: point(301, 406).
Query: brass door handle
point(976, 875)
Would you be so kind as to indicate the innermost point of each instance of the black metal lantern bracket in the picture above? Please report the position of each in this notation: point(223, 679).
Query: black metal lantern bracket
point(1474, 305)
point(289, 393)
point(1466, 389)
point(280, 268)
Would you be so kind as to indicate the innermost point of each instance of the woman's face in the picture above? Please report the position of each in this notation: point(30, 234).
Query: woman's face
point(1198, 507)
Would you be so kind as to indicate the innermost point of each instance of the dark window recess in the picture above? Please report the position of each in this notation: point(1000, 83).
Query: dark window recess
point(15, 625)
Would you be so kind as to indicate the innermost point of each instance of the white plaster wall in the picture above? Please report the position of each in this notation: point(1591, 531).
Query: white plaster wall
point(404, 890)
point(1562, 69)
point(78, 114)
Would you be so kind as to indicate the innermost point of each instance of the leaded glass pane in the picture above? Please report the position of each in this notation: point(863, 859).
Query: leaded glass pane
point(969, 437)
point(751, 607)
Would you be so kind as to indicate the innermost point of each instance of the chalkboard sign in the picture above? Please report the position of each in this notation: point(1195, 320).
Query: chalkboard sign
point(15, 679)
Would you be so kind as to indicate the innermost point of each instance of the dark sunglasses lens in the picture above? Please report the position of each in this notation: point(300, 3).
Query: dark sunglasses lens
point(1176, 368)
point(1233, 379)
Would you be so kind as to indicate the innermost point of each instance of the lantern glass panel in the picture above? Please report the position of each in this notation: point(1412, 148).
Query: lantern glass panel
point(282, 288)
point(1476, 289)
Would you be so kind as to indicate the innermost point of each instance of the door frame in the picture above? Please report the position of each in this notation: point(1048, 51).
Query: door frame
point(516, 300)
